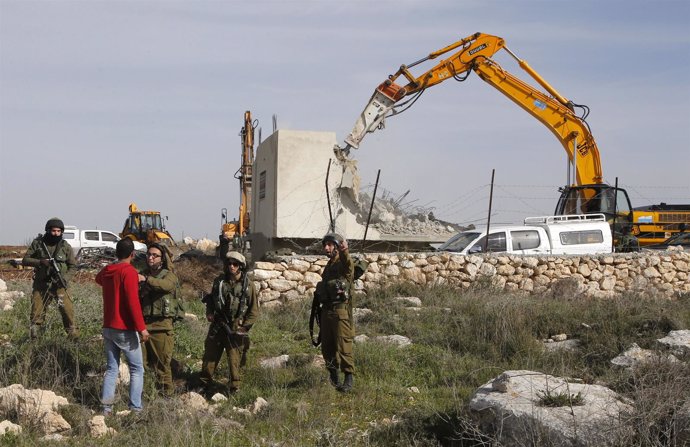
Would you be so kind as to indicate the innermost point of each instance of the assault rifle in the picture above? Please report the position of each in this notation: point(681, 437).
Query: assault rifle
point(315, 316)
point(229, 333)
point(222, 319)
point(54, 268)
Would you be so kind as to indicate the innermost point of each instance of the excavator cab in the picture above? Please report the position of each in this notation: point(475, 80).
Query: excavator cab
point(146, 227)
point(612, 202)
point(230, 238)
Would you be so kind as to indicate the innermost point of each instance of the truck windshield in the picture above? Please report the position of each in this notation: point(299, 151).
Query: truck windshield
point(459, 242)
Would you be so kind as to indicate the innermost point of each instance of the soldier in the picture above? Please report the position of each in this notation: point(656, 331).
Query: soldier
point(54, 264)
point(628, 242)
point(334, 293)
point(157, 288)
point(232, 308)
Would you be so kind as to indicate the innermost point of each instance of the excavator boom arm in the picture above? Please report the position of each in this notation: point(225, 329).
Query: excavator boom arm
point(474, 53)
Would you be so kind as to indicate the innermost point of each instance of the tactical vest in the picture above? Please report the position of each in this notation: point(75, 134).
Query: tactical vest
point(60, 252)
point(333, 291)
point(231, 300)
point(159, 304)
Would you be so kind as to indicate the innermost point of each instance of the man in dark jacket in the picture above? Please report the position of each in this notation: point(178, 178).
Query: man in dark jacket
point(54, 263)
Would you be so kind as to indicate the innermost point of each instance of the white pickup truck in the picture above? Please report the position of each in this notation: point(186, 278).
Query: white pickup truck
point(79, 239)
point(569, 234)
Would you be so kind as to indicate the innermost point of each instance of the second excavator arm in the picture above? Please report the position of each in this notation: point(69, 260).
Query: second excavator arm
point(474, 54)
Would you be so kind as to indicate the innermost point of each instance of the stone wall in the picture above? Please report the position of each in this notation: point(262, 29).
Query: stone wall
point(655, 272)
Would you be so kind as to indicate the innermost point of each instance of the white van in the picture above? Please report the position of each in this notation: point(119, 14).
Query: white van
point(569, 234)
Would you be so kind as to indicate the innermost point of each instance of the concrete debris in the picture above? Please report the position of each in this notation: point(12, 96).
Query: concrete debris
point(389, 216)
point(206, 245)
point(95, 257)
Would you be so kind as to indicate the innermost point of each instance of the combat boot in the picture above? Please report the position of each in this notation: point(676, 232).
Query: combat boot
point(333, 375)
point(346, 387)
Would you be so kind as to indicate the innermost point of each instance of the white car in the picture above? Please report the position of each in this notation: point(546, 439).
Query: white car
point(79, 239)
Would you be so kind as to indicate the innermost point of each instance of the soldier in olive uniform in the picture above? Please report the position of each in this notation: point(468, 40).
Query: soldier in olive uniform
point(628, 242)
point(47, 284)
point(232, 308)
point(157, 286)
point(334, 293)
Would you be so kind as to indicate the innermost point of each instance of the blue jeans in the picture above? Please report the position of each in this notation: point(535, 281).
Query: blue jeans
point(127, 342)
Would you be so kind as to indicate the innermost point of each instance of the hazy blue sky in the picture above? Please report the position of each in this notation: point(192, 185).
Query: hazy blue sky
point(104, 103)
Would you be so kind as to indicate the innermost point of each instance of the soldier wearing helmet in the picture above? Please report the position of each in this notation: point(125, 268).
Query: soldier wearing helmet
point(231, 308)
point(48, 286)
point(158, 286)
point(334, 294)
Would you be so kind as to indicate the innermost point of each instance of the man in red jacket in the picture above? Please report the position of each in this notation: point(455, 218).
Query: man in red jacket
point(123, 325)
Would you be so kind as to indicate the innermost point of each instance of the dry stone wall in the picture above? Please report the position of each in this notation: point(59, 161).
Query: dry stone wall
point(662, 273)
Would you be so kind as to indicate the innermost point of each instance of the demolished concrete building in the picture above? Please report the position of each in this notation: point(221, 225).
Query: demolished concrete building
point(290, 201)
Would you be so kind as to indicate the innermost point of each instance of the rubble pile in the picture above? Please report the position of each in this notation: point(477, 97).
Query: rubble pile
point(389, 217)
point(95, 257)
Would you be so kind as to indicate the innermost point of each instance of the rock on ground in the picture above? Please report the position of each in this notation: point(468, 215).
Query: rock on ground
point(9, 427)
point(508, 407)
point(36, 405)
point(398, 340)
point(635, 356)
point(275, 362)
point(677, 341)
point(97, 427)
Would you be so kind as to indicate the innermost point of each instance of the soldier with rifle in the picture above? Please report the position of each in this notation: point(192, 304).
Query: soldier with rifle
point(54, 264)
point(231, 308)
point(332, 309)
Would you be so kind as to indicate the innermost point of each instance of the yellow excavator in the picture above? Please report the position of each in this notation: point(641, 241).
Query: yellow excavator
point(586, 191)
point(146, 227)
point(233, 234)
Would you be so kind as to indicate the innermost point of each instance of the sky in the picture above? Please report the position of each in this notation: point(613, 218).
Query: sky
point(104, 103)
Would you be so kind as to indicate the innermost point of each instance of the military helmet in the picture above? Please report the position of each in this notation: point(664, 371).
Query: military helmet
point(237, 257)
point(55, 222)
point(332, 237)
